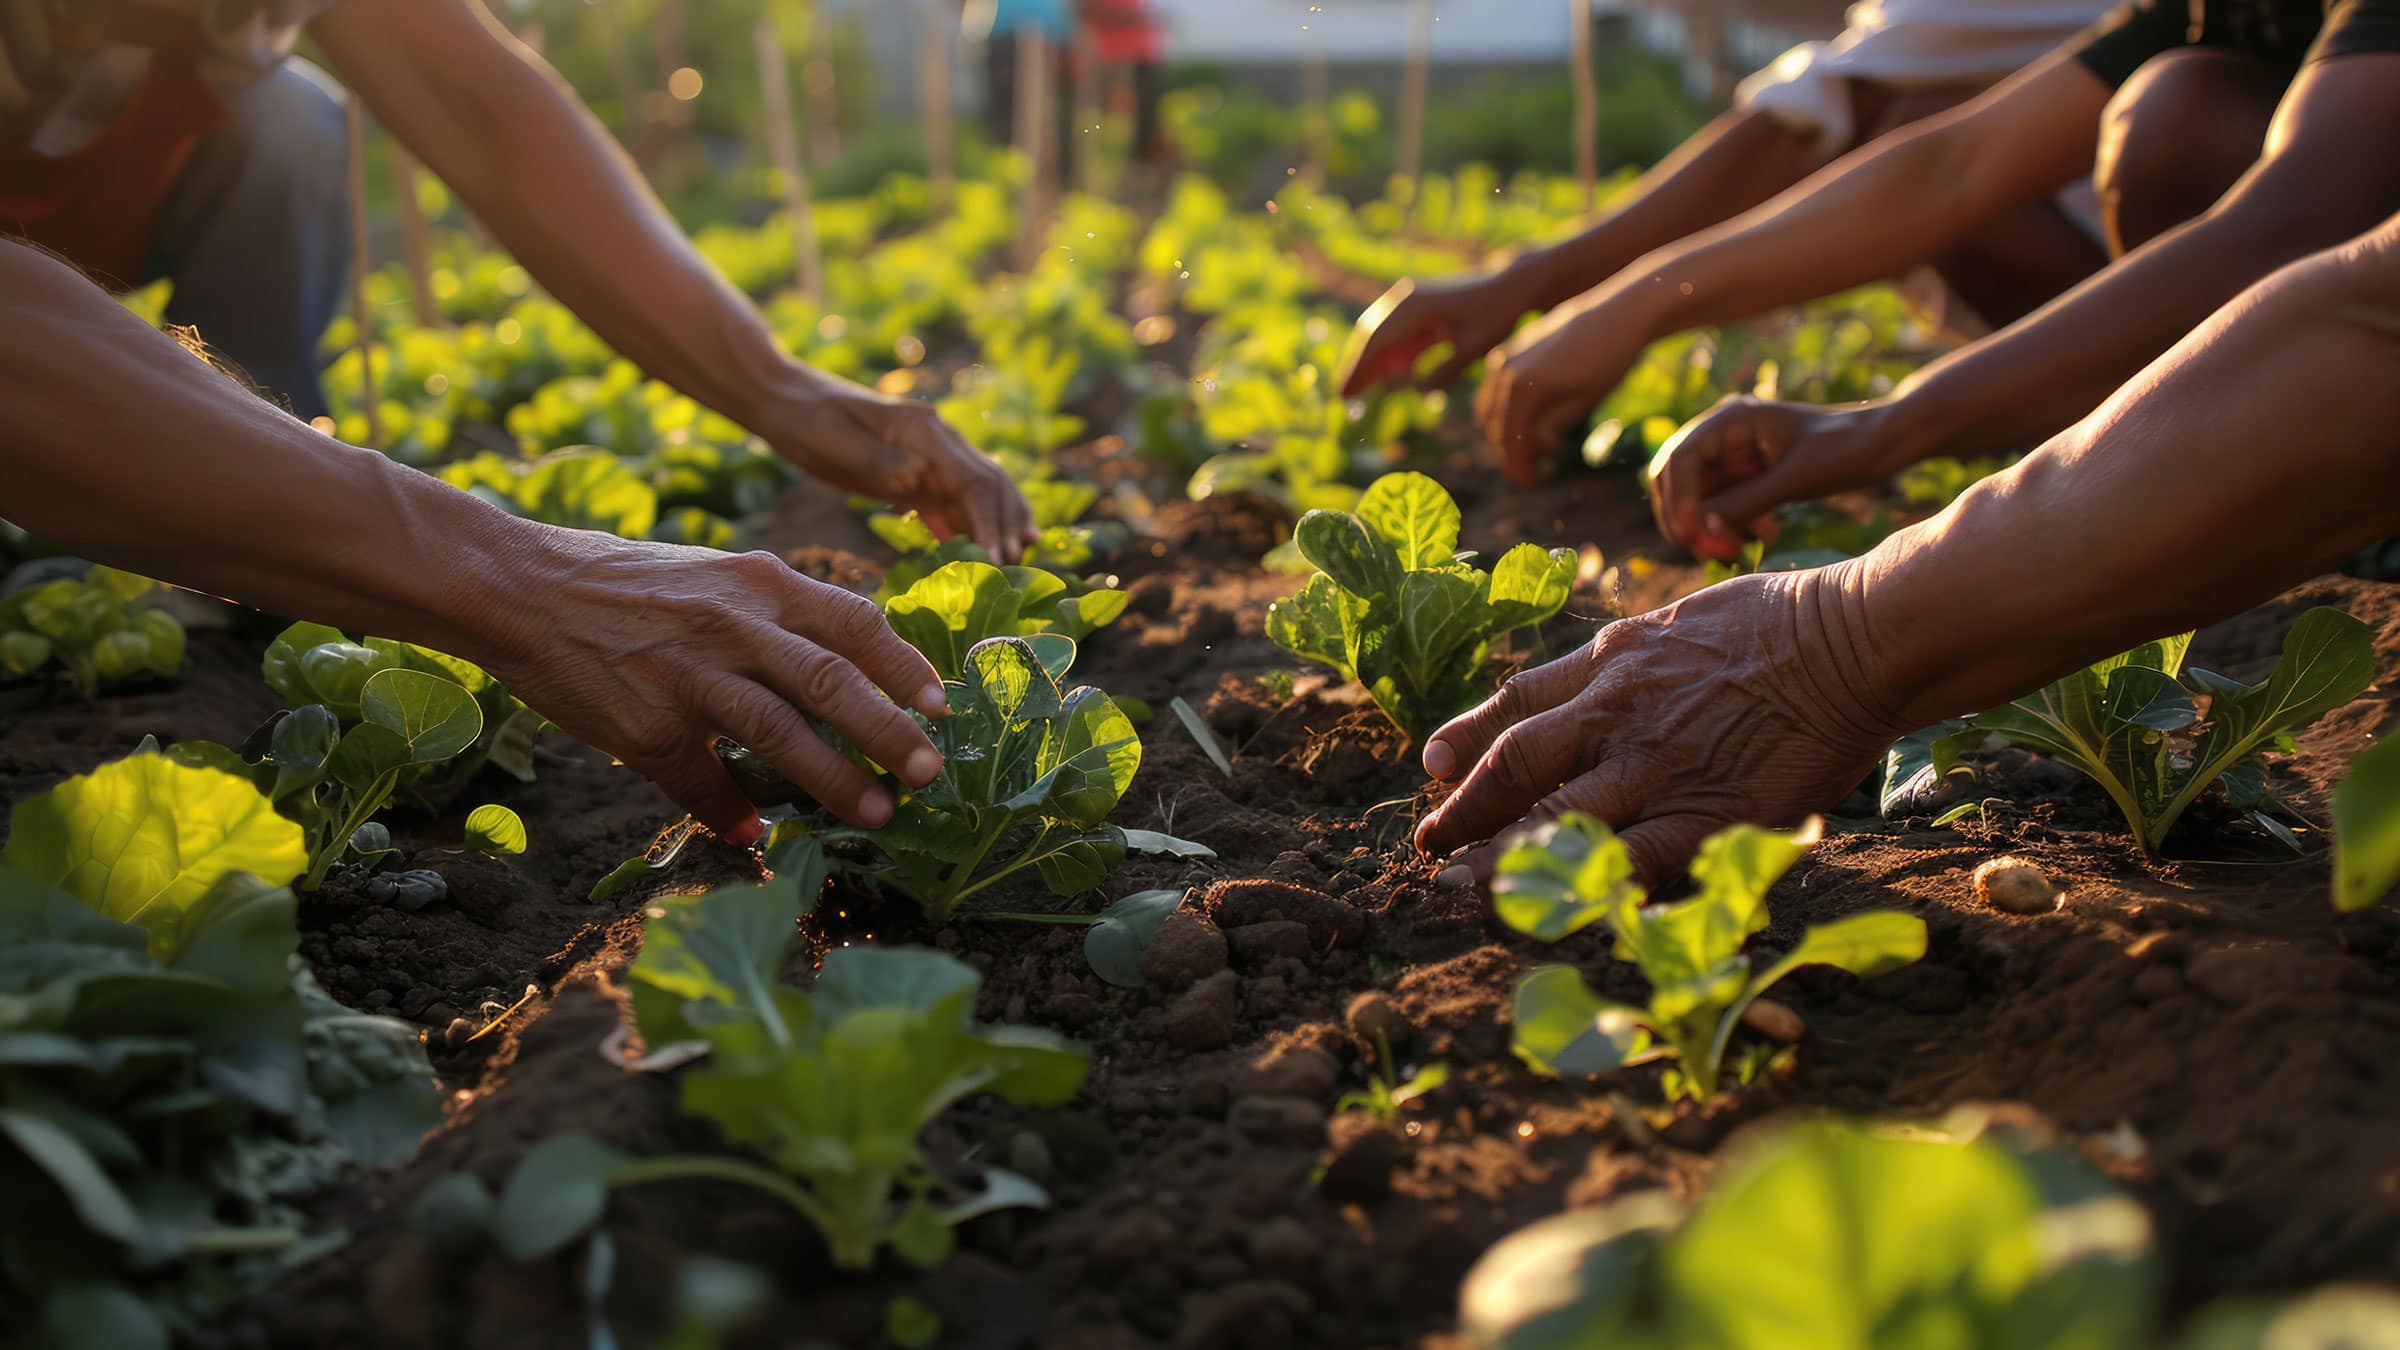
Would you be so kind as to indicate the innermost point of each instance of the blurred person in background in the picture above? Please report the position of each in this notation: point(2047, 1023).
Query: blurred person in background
point(1897, 62)
point(997, 24)
point(176, 138)
point(1125, 36)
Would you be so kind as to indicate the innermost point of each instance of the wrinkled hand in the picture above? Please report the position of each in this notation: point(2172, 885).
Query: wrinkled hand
point(1714, 483)
point(651, 651)
point(1414, 316)
point(1543, 381)
point(901, 451)
point(1744, 702)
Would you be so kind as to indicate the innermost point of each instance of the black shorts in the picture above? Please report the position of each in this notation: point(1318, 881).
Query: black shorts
point(2284, 34)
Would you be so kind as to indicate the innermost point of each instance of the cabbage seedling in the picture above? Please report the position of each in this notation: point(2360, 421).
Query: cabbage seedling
point(1396, 610)
point(1574, 873)
point(963, 603)
point(2111, 721)
point(91, 630)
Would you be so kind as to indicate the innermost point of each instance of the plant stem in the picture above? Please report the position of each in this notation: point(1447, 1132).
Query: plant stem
point(372, 801)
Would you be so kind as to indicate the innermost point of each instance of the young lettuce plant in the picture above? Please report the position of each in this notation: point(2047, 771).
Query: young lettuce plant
point(90, 630)
point(173, 1083)
point(964, 603)
point(1828, 1234)
point(2110, 721)
point(1063, 546)
point(832, 1084)
point(1573, 873)
point(1393, 609)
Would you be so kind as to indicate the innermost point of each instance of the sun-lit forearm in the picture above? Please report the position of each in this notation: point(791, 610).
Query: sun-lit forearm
point(521, 150)
point(124, 447)
point(1870, 215)
point(2192, 494)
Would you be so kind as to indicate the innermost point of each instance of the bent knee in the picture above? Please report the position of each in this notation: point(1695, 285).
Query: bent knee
point(2185, 128)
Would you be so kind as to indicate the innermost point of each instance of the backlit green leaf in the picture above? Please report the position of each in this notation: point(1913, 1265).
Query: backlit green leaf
point(1414, 515)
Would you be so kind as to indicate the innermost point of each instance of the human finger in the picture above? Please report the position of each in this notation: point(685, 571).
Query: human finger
point(1525, 764)
point(699, 784)
point(767, 723)
point(1610, 793)
point(1459, 742)
point(833, 690)
point(853, 628)
point(1380, 339)
point(1659, 848)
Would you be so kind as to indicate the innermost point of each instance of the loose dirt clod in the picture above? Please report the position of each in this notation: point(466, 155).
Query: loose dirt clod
point(1203, 1018)
point(1373, 1015)
point(1359, 1169)
point(1774, 1021)
point(2015, 886)
point(1294, 1071)
point(1187, 949)
point(1238, 904)
point(1276, 1119)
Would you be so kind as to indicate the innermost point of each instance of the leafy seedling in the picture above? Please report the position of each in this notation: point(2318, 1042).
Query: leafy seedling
point(1829, 1235)
point(832, 1085)
point(1386, 1091)
point(964, 603)
point(2366, 828)
point(2111, 721)
point(88, 631)
point(1393, 609)
point(1573, 873)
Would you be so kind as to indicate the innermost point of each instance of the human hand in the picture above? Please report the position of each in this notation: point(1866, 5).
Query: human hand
point(901, 451)
point(1413, 317)
point(1715, 481)
point(651, 651)
point(1747, 701)
point(1548, 377)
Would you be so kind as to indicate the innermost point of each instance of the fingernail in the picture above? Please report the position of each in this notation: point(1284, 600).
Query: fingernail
point(746, 833)
point(1455, 875)
point(933, 702)
point(1440, 759)
point(923, 763)
point(875, 809)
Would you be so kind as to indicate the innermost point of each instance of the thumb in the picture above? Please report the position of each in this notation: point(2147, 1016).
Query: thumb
point(1742, 503)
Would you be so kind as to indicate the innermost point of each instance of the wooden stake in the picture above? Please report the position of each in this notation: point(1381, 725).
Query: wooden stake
point(418, 239)
point(370, 393)
point(784, 145)
point(824, 112)
point(936, 37)
point(1036, 138)
point(1410, 159)
point(1089, 115)
point(1587, 102)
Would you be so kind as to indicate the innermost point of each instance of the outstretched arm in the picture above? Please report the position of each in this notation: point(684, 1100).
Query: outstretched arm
point(517, 145)
point(121, 445)
point(1909, 197)
point(2190, 495)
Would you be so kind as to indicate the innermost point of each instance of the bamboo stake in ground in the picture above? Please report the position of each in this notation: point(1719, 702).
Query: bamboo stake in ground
point(370, 393)
point(417, 238)
point(1410, 159)
point(936, 35)
point(1036, 137)
point(824, 108)
point(1587, 102)
point(774, 83)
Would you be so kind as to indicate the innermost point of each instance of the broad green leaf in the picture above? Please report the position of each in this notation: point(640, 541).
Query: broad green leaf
point(495, 829)
point(949, 611)
point(1441, 613)
point(1056, 652)
point(587, 490)
point(282, 664)
point(2366, 828)
point(1563, 877)
point(1073, 861)
point(1098, 755)
point(1565, 1030)
point(1573, 1281)
point(435, 717)
point(721, 948)
point(302, 744)
point(143, 839)
point(89, 1190)
point(1114, 946)
point(912, 979)
point(1529, 584)
point(2328, 660)
point(336, 672)
point(1151, 841)
point(1414, 515)
point(1312, 624)
point(555, 1196)
point(1079, 616)
point(365, 754)
point(1347, 550)
point(101, 1317)
point(1002, 1189)
point(1866, 945)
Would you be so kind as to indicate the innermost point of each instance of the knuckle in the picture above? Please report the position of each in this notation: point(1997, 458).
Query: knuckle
point(824, 680)
point(853, 621)
point(1512, 756)
point(760, 568)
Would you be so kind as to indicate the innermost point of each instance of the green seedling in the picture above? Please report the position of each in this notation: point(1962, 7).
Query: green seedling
point(1573, 873)
point(89, 631)
point(1393, 609)
point(964, 603)
point(1386, 1091)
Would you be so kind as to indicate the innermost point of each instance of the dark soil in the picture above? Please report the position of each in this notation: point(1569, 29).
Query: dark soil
point(2203, 1027)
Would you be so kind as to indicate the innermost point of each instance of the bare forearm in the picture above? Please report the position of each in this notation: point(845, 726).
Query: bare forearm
point(554, 188)
point(121, 445)
point(2192, 494)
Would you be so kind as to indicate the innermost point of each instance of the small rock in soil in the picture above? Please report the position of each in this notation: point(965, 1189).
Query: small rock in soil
point(1278, 1120)
point(1359, 1169)
point(1027, 1153)
point(1257, 943)
point(1774, 1021)
point(1238, 904)
point(1293, 1071)
point(1373, 1014)
point(2015, 886)
point(1282, 1243)
point(1187, 949)
point(1203, 1017)
point(1131, 1239)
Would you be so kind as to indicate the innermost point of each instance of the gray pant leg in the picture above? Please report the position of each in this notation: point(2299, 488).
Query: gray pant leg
point(255, 233)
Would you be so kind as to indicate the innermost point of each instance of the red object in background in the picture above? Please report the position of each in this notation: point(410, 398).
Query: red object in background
point(1123, 31)
point(98, 207)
